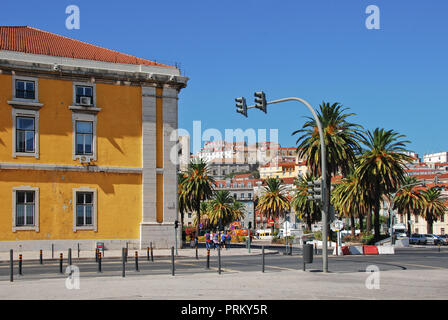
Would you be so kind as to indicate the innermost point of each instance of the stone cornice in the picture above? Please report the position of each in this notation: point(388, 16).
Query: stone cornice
point(58, 167)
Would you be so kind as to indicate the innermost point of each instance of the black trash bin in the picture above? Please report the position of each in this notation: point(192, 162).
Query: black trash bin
point(307, 254)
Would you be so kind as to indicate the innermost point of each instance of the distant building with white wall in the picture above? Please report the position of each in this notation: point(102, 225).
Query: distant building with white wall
point(440, 157)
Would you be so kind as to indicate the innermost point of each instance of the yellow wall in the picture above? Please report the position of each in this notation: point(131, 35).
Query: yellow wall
point(118, 197)
point(118, 127)
point(119, 130)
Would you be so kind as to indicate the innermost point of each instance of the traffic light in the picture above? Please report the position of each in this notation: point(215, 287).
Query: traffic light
point(315, 190)
point(176, 224)
point(260, 101)
point(241, 106)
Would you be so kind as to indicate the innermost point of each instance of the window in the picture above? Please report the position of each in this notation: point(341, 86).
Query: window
point(24, 208)
point(25, 89)
point(249, 195)
point(85, 209)
point(83, 91)
point(25, 134)
point(242, 196)
point(84, 137)
point(442, 231)
point(442, 218)
point(234, 196)
point(189, 215)
point(416, 218)
point(25, 215)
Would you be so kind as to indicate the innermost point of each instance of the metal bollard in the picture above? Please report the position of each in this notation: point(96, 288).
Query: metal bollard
point(439, 246)
point(219, 260)
point(78, 250)
point(52, 251)
point(208, 259)
point(152, 254)
point(96, 254)
point(11, 265)
point(147, 253)
point(315, 248)
point(123, 259)
point(126, 252)
point(20, 264)
point(172, 261)
point(99, 261)
point(136, 260)
point(61, 257)
point(290, 249)
point(197, 257)
point(69, 261)
point(41, 261)
point(262, 259)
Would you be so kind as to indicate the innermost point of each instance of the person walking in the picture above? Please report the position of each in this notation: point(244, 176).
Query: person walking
point(228, 239)
point(207, 240)
point(216, 240)
point(223, 240)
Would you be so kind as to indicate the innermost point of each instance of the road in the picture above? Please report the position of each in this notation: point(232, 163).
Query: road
point(427, 258)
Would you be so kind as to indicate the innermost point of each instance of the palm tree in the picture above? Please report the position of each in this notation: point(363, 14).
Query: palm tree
point(274, 201)
point(307, 210)
point(182, 200)
point(198, 186)
point(341, 139)
point(221, 208)
point(408, 200)
point(381, 168)
point(204, 216)
point(350, 199)
point(434, 207)
point(239, 211)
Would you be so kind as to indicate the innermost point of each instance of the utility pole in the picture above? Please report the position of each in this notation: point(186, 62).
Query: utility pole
point(261, 103)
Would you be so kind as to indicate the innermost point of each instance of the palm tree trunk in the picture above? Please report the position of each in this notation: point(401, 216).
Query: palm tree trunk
point(361, 224)
point(198, 213)
point(369, 220)
point(352, 224)
point(409, 223)
point(429, 224)
point(377, 221)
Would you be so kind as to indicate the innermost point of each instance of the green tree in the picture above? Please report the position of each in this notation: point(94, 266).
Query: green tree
point(341, 139)
point(307, 210)
point(350, 199)
point(434, 207)
point(198, 186)
point(273, 201)
point(408, 200)
point(381, 168)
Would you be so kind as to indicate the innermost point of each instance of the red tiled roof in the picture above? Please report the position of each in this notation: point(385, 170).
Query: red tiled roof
point(31, 40)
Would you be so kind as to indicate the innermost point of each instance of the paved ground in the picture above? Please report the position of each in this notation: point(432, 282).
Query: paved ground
point(412, 273)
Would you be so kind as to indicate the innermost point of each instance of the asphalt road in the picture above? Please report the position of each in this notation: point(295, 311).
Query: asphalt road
point(427, 258)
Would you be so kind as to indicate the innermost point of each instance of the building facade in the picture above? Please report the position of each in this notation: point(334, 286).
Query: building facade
point(85, 154)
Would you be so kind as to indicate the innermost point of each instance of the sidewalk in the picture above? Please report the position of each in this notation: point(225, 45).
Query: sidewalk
point(202, 252)
point(272, 285)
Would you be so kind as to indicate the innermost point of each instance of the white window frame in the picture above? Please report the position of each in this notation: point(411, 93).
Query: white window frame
point(36, 89)
point(16, 112)
point(94, 225)
point(35, 227)
point(84, 84)
point(79, 116)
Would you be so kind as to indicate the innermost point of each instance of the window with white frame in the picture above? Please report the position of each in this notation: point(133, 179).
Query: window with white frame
point(25, 208)
point(84, 209)
point(25, 133)
point(25, 89)
point(83, 91)
point(84, 136)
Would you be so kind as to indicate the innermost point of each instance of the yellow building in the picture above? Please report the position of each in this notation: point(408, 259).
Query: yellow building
point(86, 135)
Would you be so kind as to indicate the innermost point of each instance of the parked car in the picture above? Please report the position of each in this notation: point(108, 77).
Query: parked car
point(417, 239)
point(435, 239)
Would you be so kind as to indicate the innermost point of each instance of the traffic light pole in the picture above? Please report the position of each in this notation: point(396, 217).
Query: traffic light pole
point(325, 201)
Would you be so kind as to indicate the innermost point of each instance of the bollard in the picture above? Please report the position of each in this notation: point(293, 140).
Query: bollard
point(152, 255)
point(61, 257)
point(197, 257)
point(136, 260)
point(52, 251)
point(315, 248)
point(99, 262)
point(69, 261)
point(290, 249)
point(126, 252)
point(11, 265)
point(147, 253)
point(123, 259)
point(439, 246)
point(78, 250)
point(41, 261)
point(219, 260)
point(262, 259)
point(96, 254)
point(208, 259)
point(20, 264)
point(172, 261)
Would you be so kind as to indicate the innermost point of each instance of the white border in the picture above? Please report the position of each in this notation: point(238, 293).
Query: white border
point(94, 225)
point(36, 88)
point(36, 209)
point(16, 112)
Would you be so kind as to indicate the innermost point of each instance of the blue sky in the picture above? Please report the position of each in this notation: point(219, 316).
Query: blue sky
point(320, 50)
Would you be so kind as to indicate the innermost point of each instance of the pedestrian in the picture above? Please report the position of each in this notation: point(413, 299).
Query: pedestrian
point(195, 241)
point(223, 240)
point(216, 240)
point(207, 240)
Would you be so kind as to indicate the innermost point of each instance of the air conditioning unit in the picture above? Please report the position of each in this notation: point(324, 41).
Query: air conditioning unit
point(85, 101)
point(84, 159)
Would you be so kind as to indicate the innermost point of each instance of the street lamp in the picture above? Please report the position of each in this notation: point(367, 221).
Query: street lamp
point(261, 104)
